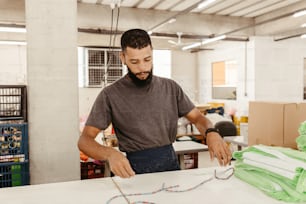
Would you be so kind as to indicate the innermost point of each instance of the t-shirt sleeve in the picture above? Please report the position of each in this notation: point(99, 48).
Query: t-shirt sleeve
point(100, 114)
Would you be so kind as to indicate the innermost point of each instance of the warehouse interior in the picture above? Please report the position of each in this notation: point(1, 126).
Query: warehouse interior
point(262, 45)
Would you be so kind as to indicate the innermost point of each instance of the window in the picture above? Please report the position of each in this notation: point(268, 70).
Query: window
point(99, 67)
point(162, 63)
point(224, 80)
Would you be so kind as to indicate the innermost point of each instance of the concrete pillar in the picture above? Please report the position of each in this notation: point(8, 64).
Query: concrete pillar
point(53, 90)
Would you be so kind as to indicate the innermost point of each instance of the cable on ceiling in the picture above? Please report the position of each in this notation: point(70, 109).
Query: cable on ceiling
point(115, 8)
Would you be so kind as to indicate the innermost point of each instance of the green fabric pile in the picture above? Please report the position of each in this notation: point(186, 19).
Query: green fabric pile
point(301, 140)
point(278, 171)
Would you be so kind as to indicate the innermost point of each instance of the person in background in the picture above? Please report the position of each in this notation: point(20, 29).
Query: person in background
point(144, 110)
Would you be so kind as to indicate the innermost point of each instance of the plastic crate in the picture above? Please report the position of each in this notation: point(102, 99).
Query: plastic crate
point(14, 174)
point(91, 170)
point(13, 140)
point(13, 102)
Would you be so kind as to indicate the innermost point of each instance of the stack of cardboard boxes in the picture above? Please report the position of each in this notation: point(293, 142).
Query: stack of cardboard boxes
point(275, 124)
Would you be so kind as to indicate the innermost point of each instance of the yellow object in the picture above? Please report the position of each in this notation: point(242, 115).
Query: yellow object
point(215, 104)
point(203, 107)
point(244, 119)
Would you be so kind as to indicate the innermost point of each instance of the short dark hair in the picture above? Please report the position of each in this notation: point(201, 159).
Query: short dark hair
point(135, 38)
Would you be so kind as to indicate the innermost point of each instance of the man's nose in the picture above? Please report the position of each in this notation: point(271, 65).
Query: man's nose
point(143, 67)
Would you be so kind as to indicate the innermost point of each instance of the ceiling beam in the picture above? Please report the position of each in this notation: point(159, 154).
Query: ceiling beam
point(291, 34)
point(159, 34)
point(262, 22)
point(156, 34)
point(190, 8)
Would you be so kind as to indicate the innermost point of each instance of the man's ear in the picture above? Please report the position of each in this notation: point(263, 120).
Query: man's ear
point(122, 58)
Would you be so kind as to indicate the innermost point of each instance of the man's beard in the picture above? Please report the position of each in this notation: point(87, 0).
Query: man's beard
point(140, 82)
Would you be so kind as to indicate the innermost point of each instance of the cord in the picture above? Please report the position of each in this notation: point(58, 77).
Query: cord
point(112, 38)
point(171, 189)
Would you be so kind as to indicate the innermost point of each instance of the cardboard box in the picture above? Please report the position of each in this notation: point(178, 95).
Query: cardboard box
point(275, 124)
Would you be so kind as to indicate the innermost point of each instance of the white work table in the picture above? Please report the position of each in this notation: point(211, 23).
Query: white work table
point(186, 147)
point(93, 191)
point(100, 191)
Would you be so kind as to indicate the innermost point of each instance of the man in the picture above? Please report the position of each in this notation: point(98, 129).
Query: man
point(144, 110)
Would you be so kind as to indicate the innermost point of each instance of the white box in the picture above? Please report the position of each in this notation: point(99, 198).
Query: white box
point(244, 131)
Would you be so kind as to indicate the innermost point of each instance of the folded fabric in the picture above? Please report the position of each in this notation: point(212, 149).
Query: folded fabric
point(293, 163)
point(270, 184)
point(301, 142)
point(302, 128)
point(294, 154)
point(279, 172)
point(264, 165)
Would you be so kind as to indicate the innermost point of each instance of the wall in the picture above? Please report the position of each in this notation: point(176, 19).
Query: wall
point(279, 69)
point(87, 97)
point(13, 64)
point(225, 51)
point(184, 72)
point(267, 70)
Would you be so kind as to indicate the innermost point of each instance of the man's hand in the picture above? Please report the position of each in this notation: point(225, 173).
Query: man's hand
point(120, 165)
point(218, 148)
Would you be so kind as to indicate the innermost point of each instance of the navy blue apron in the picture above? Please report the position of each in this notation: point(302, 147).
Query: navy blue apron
point(154, 160)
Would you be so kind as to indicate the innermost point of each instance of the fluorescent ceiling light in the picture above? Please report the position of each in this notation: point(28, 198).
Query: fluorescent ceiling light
point(90, 1)
point(303, 25)
point(205, 3)
point(221, 37)
point(13, 29)
point(204, 42)
point(4, 42)
point(303, 36)
point(299, 13)
point(191, 46)
point(172, 20)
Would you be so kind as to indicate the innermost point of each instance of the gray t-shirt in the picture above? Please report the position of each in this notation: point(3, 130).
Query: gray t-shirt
point(143, 117)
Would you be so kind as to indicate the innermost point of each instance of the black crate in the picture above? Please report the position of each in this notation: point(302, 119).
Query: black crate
point(14, 174)
point(13, 102)
point(14, 140)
